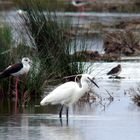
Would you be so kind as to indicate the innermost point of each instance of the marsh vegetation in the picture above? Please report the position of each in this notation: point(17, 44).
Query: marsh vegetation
point(51, 47)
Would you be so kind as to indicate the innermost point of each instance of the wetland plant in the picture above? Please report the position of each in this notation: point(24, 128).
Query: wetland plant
point(122, 43)
point(53, 40)
point(5, 59)
point(8, 56)
point(136, 99)
point(135, 95)
point(51, 55)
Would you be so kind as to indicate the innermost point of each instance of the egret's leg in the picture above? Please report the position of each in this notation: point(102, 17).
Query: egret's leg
point(67, 114)
point(61, 122)
point(60, 113)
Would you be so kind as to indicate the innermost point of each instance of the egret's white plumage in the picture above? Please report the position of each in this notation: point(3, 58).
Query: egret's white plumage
point(69, 92)
point(64, 94)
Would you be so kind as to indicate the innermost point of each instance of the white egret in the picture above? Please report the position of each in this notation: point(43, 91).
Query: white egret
point(68, 93)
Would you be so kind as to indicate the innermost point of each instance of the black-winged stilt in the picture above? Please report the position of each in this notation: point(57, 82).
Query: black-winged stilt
point(115, 71)
point(16, 70)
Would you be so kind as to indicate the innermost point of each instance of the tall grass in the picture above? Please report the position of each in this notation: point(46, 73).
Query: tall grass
point(5, 53)
point(9, 55)
point(51, 55)
point(54, 45)
point(45, 4)
point(53, 40)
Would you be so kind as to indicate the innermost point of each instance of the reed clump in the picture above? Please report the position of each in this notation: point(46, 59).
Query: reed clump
point(53, 40)
point(51, 52)
point(123, 43)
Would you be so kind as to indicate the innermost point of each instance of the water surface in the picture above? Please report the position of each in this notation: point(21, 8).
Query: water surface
point(120, 120)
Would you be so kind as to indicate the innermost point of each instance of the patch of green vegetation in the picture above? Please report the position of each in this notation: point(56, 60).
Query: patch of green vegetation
point(5, 52)
point(52, 5)
point(51, 55)
point(53, 41)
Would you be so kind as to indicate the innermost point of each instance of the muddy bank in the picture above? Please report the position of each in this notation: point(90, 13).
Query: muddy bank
point(106, 6)
point(95, 56)
point(92, 5)
point(123, 43)
point(115, 45)
point(6, 5)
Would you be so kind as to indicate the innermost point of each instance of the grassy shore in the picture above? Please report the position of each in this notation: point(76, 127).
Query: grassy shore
point(51, 54)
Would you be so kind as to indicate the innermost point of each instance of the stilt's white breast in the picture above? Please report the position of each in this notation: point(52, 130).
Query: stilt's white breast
point(23, 70)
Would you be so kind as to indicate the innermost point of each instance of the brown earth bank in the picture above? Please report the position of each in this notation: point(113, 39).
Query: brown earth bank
point(95, 56)
point(6, 5)
point(108, 6)
point(116, 45)
point(123, 43)
point(93, 5)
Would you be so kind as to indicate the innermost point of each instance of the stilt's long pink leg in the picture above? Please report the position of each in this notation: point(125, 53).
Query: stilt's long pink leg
point(16, 102)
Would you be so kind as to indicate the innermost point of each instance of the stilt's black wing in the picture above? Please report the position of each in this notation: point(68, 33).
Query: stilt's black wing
point(11, 69)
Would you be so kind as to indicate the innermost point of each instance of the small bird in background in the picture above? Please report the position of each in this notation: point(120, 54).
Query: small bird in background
point(21, 12)
point(80, 4)
point(69, 93)
point(16, 70)
point(115, 71)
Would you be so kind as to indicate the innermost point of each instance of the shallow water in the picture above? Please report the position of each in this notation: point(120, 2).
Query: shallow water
point(120, 119)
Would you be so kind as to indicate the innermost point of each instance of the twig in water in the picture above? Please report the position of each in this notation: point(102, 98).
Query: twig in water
point(111, 98)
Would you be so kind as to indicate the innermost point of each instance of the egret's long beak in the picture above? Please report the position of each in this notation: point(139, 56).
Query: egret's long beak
point(93, 82)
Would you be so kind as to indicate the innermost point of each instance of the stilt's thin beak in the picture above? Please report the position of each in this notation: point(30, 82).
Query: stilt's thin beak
point(31, 62)
point(93, 82)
